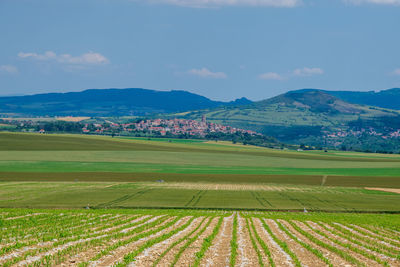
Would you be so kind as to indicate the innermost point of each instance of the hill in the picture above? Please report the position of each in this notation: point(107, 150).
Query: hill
point(313, 100)
point(385, 99)
point(307, 116)
point(109, 102)
point(294, 108)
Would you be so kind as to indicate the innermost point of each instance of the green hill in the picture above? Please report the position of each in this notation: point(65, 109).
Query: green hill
point(296, 115)
point(389, 98)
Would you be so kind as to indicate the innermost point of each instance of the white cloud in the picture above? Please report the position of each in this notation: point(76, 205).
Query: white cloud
point(271, 76)
point(301, 72)
point(8, 69)
point(221, 3)
point(396, 72)
point(377, 2)
point(308, 71)
point(89, 58)
point(206, 73)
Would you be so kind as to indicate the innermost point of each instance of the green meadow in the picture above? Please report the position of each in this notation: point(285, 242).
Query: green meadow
point(73, 171)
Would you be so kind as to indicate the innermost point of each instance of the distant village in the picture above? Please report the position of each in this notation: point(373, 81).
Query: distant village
point(368, 131)
point(159, 127)
point(167, 127)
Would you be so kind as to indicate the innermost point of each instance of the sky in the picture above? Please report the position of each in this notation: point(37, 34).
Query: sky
point(222, 49)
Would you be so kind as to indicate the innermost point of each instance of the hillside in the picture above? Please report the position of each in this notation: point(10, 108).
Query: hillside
point(108, 102)
point(298, 115)
point(306, 108)
point(385, 99)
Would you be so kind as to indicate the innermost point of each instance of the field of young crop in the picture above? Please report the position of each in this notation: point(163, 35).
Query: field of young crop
point(74, 171)
point(196, 238)
point(195, 195)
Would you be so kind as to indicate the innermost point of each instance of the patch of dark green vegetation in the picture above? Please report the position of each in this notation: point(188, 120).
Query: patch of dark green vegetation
point(53, 142)
point(343, 181)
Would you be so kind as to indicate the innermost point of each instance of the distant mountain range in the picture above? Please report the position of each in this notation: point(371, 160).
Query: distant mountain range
point(140, 102)
point(317, 117)
point(109, 102)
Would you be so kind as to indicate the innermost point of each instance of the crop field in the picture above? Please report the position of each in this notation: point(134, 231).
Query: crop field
point(72, 200)
point(76, 171)
point(196, 238)
point(108, 195)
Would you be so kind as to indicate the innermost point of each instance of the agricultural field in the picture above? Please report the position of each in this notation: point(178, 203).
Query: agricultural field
point(76, 171)
point(72, 200)
point(196, 238)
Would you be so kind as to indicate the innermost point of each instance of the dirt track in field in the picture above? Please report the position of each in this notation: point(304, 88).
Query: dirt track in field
point(391, 190)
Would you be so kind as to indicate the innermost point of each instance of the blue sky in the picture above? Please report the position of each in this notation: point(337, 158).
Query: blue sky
point(222, 49)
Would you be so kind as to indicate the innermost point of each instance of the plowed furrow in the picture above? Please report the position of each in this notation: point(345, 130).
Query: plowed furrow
point(120, 240)
point(369, 248)
point(306, 258)
point(150, 256)
point(187, 258)
point(279, 257)
point(331, 240)
point(247, 256)
point(63, 253)
point(333, 258)
point(381, 237)
point(219, 253)
point(368, 239)
point(118, 254)
point(168, 255)
point(51, 247)
point(261, 256)
point(362, 253)
point(87, 253)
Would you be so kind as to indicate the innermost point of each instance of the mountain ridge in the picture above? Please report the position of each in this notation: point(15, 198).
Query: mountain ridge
point(388, 98)
point(110, 102)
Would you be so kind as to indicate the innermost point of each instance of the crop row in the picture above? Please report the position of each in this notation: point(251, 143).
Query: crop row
point(167, 238)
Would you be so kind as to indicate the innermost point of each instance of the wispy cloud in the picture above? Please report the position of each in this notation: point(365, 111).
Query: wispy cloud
point(206, 73)
point(308, 71)
point(89, 58)
point(271, 76)
point(8, 69)
point(377, 2)
point(396, 72)
point(221, 3)
point(301, 72)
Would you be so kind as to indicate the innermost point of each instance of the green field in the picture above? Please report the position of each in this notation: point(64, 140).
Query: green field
point(46, 237)
point(73, 171)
